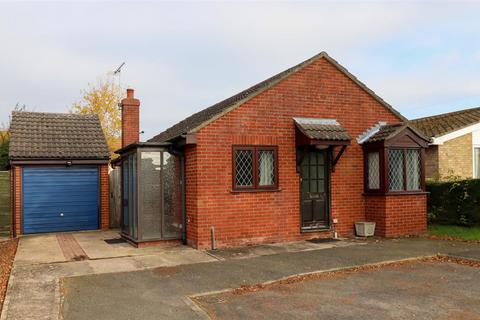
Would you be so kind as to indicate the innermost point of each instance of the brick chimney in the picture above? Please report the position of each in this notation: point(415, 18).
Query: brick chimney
point(130, 119)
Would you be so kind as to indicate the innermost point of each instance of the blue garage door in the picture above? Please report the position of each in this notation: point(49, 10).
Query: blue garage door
point(60, 199)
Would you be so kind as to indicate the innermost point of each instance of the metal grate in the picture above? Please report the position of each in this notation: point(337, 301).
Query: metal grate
point(266, 168)
point(395, 169)
point(413, 169)
point(243, 168)
point(374, 170)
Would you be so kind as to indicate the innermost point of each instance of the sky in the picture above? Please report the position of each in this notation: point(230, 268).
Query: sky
point(421, 57)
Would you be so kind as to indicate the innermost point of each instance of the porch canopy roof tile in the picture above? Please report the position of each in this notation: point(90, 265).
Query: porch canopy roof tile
point(322, 130)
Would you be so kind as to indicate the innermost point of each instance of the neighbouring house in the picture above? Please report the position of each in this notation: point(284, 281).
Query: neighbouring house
point(454, 151)
point(59, 173)
point(304, 154)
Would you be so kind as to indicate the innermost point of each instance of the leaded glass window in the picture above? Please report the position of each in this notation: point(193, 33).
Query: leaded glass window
point(373, 170)
point(266, 168)
point(404, 170)
point(244, 168)
point(254, 167)
point(395, 170)
point(413, 166)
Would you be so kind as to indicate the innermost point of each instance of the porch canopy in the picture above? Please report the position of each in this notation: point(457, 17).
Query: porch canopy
point(321, 134)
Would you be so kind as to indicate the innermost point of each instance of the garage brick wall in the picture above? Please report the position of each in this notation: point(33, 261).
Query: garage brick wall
point(16, 199)
point(320, 91)
point(104, 197)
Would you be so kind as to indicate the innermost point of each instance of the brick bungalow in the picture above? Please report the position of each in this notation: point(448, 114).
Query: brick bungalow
point(59, 173)
point(455, 147)
point(304, 154)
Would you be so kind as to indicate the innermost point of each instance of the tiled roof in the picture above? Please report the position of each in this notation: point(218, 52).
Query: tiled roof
point(209, 114)
point(439, 125)
point(322, 129)
point(38, 135)
point(389, 131)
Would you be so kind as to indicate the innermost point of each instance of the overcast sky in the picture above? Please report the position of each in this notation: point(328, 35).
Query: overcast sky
point(423, 58)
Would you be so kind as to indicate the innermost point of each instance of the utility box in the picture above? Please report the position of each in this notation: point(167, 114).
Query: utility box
point(365, 229)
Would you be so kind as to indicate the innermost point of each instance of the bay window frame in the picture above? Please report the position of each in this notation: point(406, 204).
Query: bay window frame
point(383, 148)
point(255, 149)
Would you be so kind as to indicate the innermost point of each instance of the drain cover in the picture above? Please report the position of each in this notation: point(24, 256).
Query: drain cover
point(115, 241)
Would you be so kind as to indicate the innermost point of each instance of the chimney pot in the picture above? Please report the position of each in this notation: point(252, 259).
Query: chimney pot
point(130, 93)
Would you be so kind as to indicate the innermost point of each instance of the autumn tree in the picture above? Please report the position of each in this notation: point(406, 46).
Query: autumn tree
point(102, 99)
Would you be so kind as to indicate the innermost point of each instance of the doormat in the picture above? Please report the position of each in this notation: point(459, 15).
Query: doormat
point(323, 240)
point(115, 241)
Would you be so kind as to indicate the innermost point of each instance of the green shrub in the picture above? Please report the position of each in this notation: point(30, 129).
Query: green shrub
point(454, 202)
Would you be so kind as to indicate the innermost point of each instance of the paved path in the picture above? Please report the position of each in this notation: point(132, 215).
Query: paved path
point(163, 293)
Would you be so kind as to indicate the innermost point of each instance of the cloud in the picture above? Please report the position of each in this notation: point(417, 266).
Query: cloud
point(182, 57)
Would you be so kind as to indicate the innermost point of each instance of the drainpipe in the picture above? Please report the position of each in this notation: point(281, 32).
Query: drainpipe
point(184, 205)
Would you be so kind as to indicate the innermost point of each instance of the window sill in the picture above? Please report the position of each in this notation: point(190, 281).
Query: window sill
point(317, 229)
point(255, 190)
point(402, 193)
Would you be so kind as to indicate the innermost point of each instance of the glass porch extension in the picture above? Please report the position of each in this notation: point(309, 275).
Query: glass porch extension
point(152, 193)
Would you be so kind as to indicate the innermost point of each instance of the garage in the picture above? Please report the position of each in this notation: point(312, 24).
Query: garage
point(60, 199)
point(59, 173)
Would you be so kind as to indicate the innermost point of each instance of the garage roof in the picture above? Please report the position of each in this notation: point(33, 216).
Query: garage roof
point(48, 136)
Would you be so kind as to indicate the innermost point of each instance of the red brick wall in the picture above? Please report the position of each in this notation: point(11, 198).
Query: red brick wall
point(319, 91)
point(104, 197)
point(397, 215)
point(191, 194)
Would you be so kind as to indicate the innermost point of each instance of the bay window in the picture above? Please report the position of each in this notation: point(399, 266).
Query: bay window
point(394, 160)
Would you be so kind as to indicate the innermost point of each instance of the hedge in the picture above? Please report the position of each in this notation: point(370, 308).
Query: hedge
point(454, 202)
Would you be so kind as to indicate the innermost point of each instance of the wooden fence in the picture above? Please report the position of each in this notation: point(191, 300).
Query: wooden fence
point(115, 197)
point(4, 202)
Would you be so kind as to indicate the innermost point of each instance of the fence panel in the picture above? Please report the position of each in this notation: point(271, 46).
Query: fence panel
point(4, 202)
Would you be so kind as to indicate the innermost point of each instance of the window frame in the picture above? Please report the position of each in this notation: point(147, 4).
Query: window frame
point(367, 171)
point(384, 166)
point(404, 170)
point(255, 149)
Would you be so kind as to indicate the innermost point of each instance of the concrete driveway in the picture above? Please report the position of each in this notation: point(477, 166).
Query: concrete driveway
point(418, 290)
point(169, 293)
point(42, 260)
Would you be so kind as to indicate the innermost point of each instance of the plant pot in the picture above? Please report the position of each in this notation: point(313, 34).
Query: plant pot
point(365, 229)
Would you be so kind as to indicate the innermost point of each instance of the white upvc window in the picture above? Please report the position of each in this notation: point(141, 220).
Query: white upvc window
point(476, 162)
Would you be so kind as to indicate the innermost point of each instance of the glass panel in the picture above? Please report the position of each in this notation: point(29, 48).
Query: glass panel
point(172, 196)
point(266, 168)
point(321, 185)
point(321, 171)
point(413, 162)
point(477, 162)
point(395, 169)
point(313, 186)
point(125, 195)
point(132, 196)
point(373, 170)
point(313, 171)
point(243, 168)
point(151, 200)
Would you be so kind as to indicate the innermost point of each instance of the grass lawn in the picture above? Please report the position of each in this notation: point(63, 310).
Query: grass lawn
point(463, 233)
